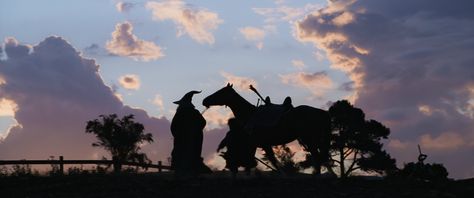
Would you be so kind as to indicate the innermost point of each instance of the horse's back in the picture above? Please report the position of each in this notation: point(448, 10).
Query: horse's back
point(306, 120)
point(305, 112)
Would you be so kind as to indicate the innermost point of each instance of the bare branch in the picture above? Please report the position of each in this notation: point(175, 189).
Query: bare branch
point(348, 152)
point(354, 168)
point(353, 161)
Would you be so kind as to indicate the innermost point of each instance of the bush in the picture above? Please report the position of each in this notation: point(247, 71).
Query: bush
point(77, 171)
point(23, 170)
point(3, 171)
point(424, 172)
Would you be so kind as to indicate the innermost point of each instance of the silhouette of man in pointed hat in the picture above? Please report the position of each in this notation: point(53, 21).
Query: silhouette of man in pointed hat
point(187, 129)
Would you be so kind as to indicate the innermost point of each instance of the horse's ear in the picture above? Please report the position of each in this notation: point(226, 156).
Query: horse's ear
point(231, 85)
point(228, 84)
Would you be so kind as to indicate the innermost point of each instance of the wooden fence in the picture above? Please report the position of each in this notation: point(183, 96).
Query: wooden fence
point(61, 162)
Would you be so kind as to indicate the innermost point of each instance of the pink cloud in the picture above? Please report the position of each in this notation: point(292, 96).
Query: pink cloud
point(217, 117)
point(7, 107)
point(317, 83)
point(239, 82)
point(125, 43)
point(444, 141)
point(198, 23)
point(130, 81)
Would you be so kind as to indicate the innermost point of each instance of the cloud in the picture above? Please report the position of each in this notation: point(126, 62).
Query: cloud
point(130, 81)
point(285, 13)
point(125, 43)
point(299, 64)
point(217, 117)
point(443, 141)
point(198, 23)
point(318, 83)
point(56, 91)
point(343, 19)
point(397, 144)
point(158, 101)
point(92, 49)
point(259, 45)
point(254, 34)
point(14, 50)
point(124, 6)
point(95, 49)
point(7, 107)
point(410, 65)
point(239, 82)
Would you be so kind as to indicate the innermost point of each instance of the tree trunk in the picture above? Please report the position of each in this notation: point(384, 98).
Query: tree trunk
point(117, 164)
point(341, 160)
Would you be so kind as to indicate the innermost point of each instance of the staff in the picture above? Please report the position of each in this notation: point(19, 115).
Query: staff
point(258, 94)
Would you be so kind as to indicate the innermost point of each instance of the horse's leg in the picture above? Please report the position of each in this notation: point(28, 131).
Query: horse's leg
point(311, 147)
point(247, 171)
point(234, 170)
point(271, 156)
point(316, 159)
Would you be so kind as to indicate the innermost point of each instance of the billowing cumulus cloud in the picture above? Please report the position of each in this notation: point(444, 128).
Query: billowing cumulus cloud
point(55, 91)
point(411, 67)
point(318, 83)
point(125, 43)
point(198, 23)
point(130, 81)
point(239, 82)
point(124, 6)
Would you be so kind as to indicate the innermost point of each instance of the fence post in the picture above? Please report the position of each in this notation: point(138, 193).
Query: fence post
point(117, 164)
point(61, 165)
point(159, 166)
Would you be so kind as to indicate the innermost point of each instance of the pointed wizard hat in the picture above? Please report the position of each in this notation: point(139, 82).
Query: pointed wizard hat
point(186, 99)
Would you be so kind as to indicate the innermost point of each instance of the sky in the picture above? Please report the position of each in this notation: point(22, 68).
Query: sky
point(407, 64)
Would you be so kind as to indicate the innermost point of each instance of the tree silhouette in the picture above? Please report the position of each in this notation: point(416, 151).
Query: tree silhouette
point(120, 137)
point(355, 142)
point(285, 156)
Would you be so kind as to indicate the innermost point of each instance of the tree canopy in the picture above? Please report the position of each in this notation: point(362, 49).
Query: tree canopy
point(121, 137)
point(355, 142)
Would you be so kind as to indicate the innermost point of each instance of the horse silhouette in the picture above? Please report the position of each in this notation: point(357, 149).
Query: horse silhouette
point(309, 125)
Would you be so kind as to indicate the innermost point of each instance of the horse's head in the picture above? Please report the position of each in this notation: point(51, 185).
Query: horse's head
point(220, 97)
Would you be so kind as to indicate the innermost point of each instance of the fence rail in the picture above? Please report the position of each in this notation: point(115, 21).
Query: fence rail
point(61, 162)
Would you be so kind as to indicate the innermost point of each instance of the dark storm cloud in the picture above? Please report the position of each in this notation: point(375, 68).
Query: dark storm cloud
point(411, 65)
